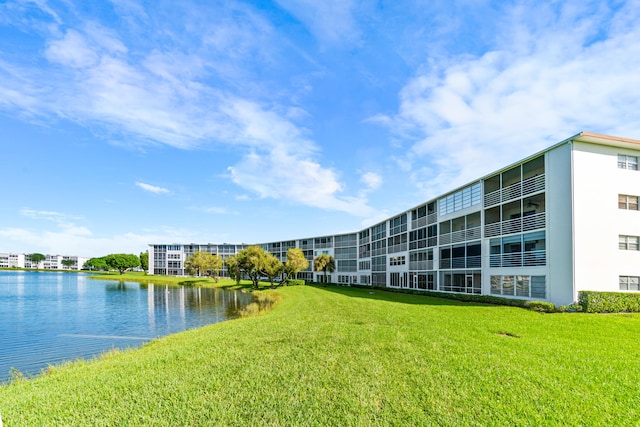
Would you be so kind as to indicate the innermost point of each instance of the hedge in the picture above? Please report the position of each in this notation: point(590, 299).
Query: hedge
point(544, 306)
point(609, 302)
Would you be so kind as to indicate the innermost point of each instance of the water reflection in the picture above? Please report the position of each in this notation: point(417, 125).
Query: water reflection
point(46, 318)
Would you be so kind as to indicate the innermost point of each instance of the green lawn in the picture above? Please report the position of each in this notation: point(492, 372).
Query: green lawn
point(352, 357)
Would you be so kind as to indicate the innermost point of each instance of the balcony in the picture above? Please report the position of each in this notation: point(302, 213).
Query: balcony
point(460, 236)
point(466, 262)
point(516, 225)
point(519, 259)
point(421, 265)
point(516, 190)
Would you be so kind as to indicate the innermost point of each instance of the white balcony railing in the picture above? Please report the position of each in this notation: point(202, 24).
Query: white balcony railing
point(515, 190)
point(519, 259)
point(460, 236)
point(516, 225)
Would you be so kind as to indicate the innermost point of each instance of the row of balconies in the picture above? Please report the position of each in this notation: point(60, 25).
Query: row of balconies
point(515, 259)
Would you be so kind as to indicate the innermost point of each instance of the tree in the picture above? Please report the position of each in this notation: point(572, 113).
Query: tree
point(96, 264)
point(232, 268)
point(252, 261)
point(203, 263)
point(272, 267)
point(295, 263)
point(68, 262)
point(36, 259)
point(324, 262)
point(122, 262)
point(144, 260)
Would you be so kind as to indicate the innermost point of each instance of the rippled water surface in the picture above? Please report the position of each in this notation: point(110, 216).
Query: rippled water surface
point(47, 318)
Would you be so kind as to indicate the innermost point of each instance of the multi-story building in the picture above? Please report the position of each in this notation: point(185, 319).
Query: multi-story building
point(8, 260)
point(562, 220)
point(51, 262)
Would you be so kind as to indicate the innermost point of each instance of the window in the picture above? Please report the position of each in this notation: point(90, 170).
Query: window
point(627, 162)
point(629, 283)
point(628, 243)
point(522, 286)
point(398, 225)
point(627, 202)
point(347, 265)
point(462, 199)
point(379, 231)
point(379, 263)
point(397, 260)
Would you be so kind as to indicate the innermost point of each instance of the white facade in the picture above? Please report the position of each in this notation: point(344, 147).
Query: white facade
point(8, 260)
point(51, 262)
point(558, 222)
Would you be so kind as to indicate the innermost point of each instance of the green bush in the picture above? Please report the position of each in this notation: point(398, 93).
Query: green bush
point(293, 282)
point(571, 308)
point(544, 306)
point(609, 302)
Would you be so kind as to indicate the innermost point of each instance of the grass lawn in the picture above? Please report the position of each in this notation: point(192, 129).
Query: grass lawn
point(158, 280)
point(353, 357)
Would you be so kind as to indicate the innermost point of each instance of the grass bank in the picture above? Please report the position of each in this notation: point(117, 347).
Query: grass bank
point(142, 277)
point(344, 356)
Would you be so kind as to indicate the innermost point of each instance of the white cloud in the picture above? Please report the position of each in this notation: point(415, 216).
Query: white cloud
point(72, 50)
point(215, 210)
point(371, 180)
point(64, 237)
point(557, 76)
point(66, 242)
point(64, 221)
point(152, 188)
point(330, 21)
point(162, 98)
point(282, 176)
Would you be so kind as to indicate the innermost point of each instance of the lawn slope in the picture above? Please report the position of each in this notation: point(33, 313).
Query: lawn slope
point(344, 356)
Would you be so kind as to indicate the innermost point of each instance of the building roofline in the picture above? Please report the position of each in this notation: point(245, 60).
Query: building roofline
point(588, 137)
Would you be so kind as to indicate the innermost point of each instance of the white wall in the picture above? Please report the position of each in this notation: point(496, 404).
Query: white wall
point(599, 221)
point(559, 231)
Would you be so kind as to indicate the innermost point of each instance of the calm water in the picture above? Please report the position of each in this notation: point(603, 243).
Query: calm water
point(46, 318)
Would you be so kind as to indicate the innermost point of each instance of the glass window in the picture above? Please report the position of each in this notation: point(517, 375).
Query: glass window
point(522, 286)
point(627, 162)
point(628, 202)
point(624, 283)
point(507, 285)
point(629, 243)
point(538, 287)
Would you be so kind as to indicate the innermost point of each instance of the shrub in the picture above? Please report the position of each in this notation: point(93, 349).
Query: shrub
point(544, 306)
point(293, 282)
point(572, 308)
point(609, 302)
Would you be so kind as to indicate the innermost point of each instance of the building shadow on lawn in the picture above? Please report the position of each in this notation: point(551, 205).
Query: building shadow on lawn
point(399, 296)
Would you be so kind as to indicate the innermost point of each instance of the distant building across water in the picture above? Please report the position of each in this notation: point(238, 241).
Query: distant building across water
point(50, 262)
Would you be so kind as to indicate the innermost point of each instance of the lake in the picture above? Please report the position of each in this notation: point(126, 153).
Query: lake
point(47, 318)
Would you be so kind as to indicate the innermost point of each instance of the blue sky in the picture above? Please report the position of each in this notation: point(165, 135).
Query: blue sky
point(124, 123)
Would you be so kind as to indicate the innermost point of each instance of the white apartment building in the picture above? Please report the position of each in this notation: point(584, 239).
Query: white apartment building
point(51, 262)
point(8, 260)
point(560, 221)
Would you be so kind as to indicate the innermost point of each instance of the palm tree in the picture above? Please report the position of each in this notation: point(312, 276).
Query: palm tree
point(324, 262)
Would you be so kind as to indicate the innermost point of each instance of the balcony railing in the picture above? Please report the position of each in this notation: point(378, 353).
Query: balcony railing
point(460, 236)
point(516, 225)
point(515, 190)
point(401, 247)
point(417, 223)
point(421, 265)
point(466, 262)
point(519, 259)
